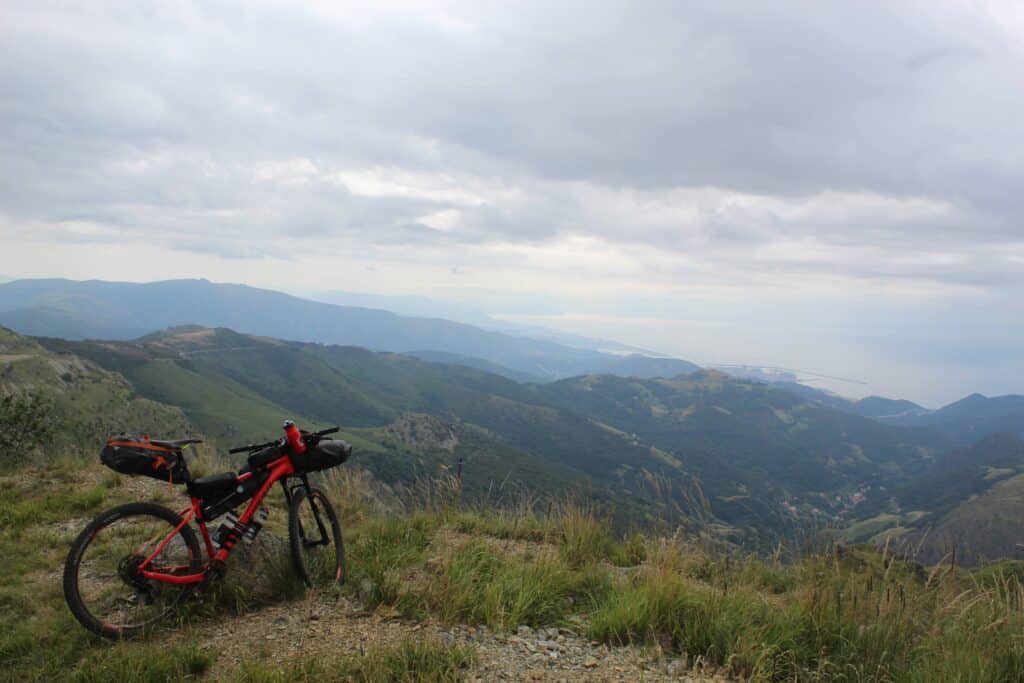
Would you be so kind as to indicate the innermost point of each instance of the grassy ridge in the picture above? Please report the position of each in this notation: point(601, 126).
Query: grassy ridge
point(854, 614)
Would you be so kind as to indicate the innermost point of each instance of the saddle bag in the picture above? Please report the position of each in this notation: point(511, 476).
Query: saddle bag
point(324, 455)
point(137, 455)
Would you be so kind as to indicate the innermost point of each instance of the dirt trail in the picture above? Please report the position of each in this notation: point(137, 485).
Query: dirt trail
point(323, 628)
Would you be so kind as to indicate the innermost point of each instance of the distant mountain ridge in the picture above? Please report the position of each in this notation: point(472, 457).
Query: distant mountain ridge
point(116, 310)
point(967, 420)
point(964, 421)
point(880, 408)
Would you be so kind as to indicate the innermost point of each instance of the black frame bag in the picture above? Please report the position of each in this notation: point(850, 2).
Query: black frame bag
point(136, 455)
point(327, 453)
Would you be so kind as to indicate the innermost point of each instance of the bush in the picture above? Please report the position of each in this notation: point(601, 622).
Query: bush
point(26, 424)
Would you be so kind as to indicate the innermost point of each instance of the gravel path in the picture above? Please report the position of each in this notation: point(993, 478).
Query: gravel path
point(323, 629)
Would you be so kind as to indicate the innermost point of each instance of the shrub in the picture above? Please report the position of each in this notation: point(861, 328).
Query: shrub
point(26, 424)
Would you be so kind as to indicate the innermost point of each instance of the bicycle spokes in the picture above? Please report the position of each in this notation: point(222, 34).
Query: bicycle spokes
point(110, 582)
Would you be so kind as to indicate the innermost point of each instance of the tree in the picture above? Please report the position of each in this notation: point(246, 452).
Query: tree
point(26, 423)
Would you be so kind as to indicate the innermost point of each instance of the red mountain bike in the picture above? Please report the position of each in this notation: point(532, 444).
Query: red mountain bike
point(132, 566)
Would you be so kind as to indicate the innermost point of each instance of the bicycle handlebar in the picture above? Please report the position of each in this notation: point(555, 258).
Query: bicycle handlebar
point(305, 435)
point(253, 447)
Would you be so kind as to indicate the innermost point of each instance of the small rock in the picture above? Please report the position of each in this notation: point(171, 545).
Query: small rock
point(524, 630)
point(589, 663)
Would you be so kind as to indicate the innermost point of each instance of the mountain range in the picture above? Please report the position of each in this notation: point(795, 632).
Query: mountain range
point(119, 310)
point(653, 441)
point(747, 462)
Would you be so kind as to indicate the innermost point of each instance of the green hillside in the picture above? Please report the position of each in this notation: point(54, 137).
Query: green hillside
point(746, 459)
point(749, 463)
point(982, 528)
point(969, 499)
point(90, 402)
point(238, 389)
point(761, 453)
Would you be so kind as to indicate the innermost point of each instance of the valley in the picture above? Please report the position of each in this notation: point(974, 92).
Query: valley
point(747, 464)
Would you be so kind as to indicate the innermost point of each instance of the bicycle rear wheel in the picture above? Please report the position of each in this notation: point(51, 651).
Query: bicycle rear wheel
point(101, 582)
point(314, 535)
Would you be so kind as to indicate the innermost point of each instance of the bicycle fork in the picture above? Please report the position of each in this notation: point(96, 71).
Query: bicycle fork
point(324, 540)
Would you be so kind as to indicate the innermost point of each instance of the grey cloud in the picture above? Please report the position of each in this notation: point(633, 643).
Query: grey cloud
point(153, 122)
point(952, 52)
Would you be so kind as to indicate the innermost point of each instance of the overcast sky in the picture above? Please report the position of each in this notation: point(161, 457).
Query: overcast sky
point(830, 186)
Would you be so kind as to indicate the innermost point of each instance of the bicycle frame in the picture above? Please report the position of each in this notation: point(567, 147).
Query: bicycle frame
point(280, 469)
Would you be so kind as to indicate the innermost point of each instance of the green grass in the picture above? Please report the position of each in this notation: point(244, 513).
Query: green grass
point(480, 585)
point(22, 508)
point(583, 537)
point(381, 548)
point(410, 661)
point(859, 614)
point(150, 663)
point(521, 525)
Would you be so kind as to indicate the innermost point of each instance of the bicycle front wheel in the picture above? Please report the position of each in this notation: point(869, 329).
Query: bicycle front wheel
point(102, 584)
point(314, 535)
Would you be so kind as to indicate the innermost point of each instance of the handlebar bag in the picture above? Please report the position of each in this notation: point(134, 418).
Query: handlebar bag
point(136, 455)
point(324, 455)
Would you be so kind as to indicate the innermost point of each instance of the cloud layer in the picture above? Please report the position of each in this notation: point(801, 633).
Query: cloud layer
point(665, 148)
